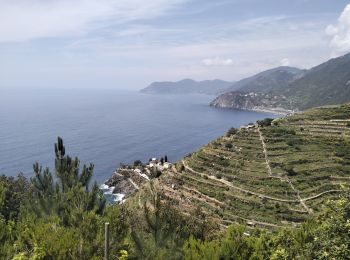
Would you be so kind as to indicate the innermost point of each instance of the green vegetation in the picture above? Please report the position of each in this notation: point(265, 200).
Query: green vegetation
point(265, 122)
point(56, 217)
point(324, 237)
point(274, 175)
point(291, 88)
point(279, 192)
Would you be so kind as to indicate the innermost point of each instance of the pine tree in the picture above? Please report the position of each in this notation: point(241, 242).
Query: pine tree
point(67, 169)
point(71, 187)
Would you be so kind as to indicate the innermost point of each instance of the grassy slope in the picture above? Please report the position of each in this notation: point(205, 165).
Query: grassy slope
point(326, 84)
point(307, 155)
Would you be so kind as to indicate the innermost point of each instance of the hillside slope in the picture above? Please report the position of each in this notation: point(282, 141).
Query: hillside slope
point(269, 176)
point(326, 84)
point(188, 86)
point(270, 80)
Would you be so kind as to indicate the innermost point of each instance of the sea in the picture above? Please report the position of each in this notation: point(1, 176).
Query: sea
point(106, 127)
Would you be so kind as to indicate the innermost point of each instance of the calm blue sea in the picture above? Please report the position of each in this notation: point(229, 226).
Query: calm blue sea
point(106, 127)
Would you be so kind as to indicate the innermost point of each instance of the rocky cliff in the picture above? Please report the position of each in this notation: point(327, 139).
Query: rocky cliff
point(252, 101)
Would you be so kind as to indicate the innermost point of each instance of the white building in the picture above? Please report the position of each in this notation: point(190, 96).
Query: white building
point(153, 162)
point(167, 165)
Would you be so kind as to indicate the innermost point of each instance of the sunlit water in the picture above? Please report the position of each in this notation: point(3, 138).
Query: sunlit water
point(106, 127)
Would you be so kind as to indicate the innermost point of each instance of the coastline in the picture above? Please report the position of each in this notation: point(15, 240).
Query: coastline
point(277, 111)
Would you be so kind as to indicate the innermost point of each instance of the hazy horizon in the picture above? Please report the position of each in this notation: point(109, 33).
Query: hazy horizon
point(129, 44)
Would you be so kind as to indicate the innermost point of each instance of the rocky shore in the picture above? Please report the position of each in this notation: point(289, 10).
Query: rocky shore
point(252, 102)
point(127, 179)
point(122, 184)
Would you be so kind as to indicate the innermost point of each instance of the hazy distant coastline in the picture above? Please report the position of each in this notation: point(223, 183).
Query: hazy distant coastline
point(188, 86)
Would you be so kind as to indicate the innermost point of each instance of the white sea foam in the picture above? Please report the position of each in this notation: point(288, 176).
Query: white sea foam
point(109, 191)
point(118, 197)
point(104, 187)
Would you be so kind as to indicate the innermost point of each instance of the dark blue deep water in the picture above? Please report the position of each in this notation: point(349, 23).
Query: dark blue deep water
point(106, 127)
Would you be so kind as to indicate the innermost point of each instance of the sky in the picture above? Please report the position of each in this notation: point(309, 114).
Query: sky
point(127, 44)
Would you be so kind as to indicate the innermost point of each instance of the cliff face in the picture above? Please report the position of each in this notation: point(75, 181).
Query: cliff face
point(252, 101)
point(236, 100)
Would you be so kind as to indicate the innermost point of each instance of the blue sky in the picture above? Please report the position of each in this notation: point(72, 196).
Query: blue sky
point(127, 44)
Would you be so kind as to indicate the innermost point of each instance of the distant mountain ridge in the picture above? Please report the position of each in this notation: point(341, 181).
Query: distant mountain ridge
point(291, 88)
point(325, 84)
point(188, 86)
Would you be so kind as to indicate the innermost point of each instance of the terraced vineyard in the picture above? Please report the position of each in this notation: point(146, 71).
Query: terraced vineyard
point(269, 176)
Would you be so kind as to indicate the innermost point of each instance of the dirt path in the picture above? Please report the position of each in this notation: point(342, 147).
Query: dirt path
point(220, 203)
point(134, 184)
point(340, 178)
point(319, 195)
point(238, 188)
point(265, 152)
point(301, 201)
point(257, 222)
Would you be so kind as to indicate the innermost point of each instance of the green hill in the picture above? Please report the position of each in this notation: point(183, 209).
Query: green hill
point(269, 80)
point(326, 84)
point(292, 89)
point(270, 176)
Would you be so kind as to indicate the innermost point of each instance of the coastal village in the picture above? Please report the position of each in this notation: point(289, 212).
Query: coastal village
point(127, 179)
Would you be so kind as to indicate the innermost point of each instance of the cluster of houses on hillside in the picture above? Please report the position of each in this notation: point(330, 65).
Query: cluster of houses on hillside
point(153, 164)
point(127, 179)
point(160, 165)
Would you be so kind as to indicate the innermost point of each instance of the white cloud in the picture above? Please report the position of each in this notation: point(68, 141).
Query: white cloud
point(285, 62)
point(340, 33)
point(155, 50)
point(29, 19)
point(217, 62)
point(262, 21)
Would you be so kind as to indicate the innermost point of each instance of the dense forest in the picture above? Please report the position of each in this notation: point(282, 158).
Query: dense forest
point(61, 215)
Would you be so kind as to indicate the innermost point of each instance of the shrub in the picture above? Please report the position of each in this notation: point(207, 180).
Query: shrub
point(228, 145)
point(294, 141)
point(126, 175)
point(155, 173)
point(229, 178)
point(218, 175)
point(290, 170)
point(280, 131)
point(137, 163)
point(231, 131)
point(265, 122)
